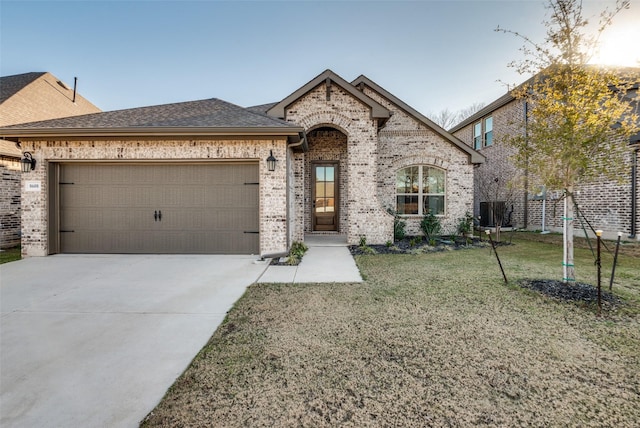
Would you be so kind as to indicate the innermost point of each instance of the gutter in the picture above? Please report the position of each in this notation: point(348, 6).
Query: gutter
point(13, 134)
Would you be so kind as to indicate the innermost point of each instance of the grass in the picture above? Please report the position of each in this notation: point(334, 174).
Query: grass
point(427, 340)
point(10, 255)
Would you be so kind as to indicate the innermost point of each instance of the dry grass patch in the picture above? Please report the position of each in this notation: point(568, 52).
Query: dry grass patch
point(426, 340)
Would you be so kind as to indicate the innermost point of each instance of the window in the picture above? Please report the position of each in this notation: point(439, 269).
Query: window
point(477, 136)
point(420, 189)
point(488, 131)
point(483, 139)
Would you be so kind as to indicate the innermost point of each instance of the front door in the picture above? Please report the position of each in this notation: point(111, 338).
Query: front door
point(324, 193)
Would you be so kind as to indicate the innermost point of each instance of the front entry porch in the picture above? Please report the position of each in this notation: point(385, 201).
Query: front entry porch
point(325, 239)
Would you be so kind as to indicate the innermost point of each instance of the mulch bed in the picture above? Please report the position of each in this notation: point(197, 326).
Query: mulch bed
point(576, 292)
point(418, 245)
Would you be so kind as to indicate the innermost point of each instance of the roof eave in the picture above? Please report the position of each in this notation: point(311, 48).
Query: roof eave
point(378, 111)
point(13, 133)
point(475, 156)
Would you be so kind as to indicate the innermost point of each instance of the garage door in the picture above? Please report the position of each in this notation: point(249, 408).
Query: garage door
point(159, 208)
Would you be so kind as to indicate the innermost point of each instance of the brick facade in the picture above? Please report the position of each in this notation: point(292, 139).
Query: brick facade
point(605, 203)
point(273, 189)
point(341, 129)
point(403, 142)
point(9, 207)
point(362, 213)
point(366, 131)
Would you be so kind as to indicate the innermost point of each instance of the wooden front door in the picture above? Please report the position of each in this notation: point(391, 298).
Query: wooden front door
point(324, 196)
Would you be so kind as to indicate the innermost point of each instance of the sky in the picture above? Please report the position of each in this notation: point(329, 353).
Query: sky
point(433, 55)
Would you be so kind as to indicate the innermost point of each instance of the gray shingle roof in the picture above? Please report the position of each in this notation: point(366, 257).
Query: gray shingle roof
point(210, 113)
point(10, 85)
point(262, 108)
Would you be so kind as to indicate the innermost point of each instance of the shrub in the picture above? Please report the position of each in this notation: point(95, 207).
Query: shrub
point(296, 252)
point(398, 225)
point(465, 225)
point(430, 226)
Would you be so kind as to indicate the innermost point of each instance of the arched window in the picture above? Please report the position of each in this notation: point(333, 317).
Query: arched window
point(420, 189)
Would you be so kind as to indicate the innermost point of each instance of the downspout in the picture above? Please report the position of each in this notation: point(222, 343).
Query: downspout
point(634, 192)
point(305, 147)
point(303, 143)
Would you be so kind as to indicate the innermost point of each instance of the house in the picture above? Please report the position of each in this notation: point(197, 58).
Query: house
point(607, 204)
point(26, 98)
point(208, 176)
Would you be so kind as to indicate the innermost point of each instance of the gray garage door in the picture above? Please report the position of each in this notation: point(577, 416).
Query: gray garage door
point(159, 208)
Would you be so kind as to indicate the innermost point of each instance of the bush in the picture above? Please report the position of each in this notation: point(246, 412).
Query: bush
point(296, 252)
point(398, 225)
point(430, 226)
point(465, 225)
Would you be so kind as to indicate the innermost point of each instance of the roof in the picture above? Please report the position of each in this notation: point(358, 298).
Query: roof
point(204, 117)
point(378, 111)
point(624, 72)
point(476, 157)
point(11, 85)
point(503, 100)
point(261, 109)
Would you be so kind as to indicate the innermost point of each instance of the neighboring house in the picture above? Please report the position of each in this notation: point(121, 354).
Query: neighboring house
point(507, 196)
point(26, 98)
point(193, 177)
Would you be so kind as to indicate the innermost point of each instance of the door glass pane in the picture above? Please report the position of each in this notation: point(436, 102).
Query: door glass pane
point(320, 190)
point(330, 189)
point(319, 173)
point(329, 173)
point(329, 205)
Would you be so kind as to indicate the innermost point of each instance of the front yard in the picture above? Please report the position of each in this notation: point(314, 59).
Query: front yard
point(427, 340)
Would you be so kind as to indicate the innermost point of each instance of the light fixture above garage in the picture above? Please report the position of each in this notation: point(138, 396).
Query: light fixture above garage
point(28, 162)
point(271, 162)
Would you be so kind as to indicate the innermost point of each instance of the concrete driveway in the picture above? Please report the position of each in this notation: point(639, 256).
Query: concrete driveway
point(95, 341)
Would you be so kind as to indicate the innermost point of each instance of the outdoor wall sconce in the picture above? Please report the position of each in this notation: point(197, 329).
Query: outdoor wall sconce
point(271, 162)
point(28, 162)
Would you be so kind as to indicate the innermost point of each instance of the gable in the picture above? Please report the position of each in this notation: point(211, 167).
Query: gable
point(363, 83)
point(329, 78)
point(11, 85)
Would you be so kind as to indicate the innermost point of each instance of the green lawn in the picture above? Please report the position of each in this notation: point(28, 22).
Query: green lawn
point(427, 340)
point(10, 255)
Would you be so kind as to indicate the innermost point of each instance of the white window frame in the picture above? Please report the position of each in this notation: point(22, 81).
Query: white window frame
point(477, 135)
point(486, 142)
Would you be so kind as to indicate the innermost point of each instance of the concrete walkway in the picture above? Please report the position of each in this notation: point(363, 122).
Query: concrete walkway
point(327, 260)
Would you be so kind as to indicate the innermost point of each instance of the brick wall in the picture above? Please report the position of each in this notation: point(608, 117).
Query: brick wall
point(404, 141)
point(9, 207)
point(606, 203)
point(273, 187)
point(327, 145)
point(365, 215)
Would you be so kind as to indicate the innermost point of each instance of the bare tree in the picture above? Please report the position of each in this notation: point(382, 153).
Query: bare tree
point(445, 118)
point(469, 111)
point(448, 119)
